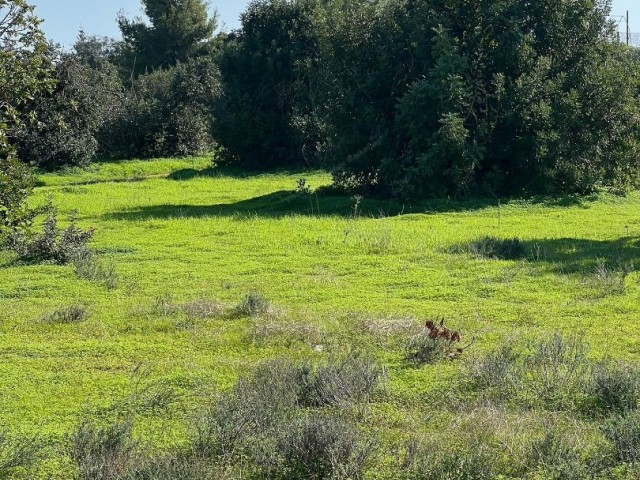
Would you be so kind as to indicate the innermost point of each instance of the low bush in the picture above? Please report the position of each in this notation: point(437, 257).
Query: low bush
point(612, 278)
point(202, 309)
point(253, 409)
point(566, 452)
point(473, 461)
point(253, 304)
point(434, 343)
point(17, 453)
point(556, 372)
point(495, 370)
point(553, 374)
point(251, 416)
point(497, 248)
point(614, 387)
point(324, 447)
point(339, 381)
point(281, 331)
point(53, 244)
point(103, 453)
point(70, 314)
point(623, 431)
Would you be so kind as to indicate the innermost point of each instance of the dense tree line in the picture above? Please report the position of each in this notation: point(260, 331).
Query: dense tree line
point(407, 98)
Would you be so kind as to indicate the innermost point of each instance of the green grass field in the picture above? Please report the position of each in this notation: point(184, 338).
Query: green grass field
point(179, 232)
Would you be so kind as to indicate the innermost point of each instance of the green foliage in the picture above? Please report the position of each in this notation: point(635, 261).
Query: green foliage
point(61, 246)
point(325, 447)
point(24, 72)
point(623, 431)
point(165, 112)
point(263, 117)
point(615, 387)
point(431, 118)
point(179, 31)
point(431, 99)
point(24, 64)
point(85, 100)
point(102, 452)
point(16, 183)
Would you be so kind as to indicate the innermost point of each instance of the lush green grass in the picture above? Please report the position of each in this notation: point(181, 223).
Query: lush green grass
point(174, 228)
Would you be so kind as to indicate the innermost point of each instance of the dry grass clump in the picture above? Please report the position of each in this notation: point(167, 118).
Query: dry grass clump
point(270, 330)
point(388, 328)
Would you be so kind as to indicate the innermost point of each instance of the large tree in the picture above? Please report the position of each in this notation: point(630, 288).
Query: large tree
point(24, 71)
point(178, 30)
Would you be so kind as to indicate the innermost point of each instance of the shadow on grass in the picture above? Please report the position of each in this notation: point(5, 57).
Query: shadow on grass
point(232, 172)
point(274, 205)
point(573, 255)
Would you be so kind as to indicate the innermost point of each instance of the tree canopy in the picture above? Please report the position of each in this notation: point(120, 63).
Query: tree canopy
point(178, 30)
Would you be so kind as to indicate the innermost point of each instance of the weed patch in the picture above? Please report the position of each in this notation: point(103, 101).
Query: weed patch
point(71, 314)
point(497, 248)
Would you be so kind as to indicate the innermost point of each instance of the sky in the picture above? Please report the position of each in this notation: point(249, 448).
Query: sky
point(64, 18)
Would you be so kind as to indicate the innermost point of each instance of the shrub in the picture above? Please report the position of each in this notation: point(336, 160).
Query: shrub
point(434, 343)
point(615, 387)
point(324, 447)
point(553, 374)
point(562, 454)
point(496, 370)
point(71, 314)
point(473, 461)
point(202, 309)
point(263, 118)
point(84, 99)
point(269, 330)
point(352, 378)
point(623, 431)
point(253, 304)
point(495, 248)
point(102, 453)
point(16, 184)
point(165, 113)
point(173, 467)
point(253, 409)
point(52, 244)
point(250, 416)
point(556, 372)
point(17, 453)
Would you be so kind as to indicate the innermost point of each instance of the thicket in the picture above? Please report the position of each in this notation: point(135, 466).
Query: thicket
point(405, 98)
point(430, 98)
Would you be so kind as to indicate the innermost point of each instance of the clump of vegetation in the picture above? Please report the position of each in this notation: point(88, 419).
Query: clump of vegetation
point(202, 309)
point(253, 304)
point(264, 409)
point(434, 343)
point(71, 314)
point(623, 431)
point(497, 248)
point(17, 453)
point(88, 267)
point(339, 381)
point(103, 452)
point(53, 244)
point(614, 387)
point(613, 277)
point(553, 375)
point(273, 330)
point(325, 446)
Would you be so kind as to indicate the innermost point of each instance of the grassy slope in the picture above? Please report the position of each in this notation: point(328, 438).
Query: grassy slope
point(217, 237)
